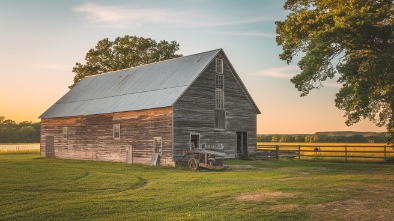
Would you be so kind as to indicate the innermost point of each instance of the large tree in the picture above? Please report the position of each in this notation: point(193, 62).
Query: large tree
point(351, 38)
point(124, 52)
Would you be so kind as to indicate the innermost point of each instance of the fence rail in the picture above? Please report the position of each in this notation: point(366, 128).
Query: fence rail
point(328, 152)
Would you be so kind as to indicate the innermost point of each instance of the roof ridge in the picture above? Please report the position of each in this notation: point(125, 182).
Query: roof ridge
point(156, 62)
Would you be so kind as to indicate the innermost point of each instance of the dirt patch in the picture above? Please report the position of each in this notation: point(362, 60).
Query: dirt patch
point(272, 198)
point(349, 210)
point(284, 207)
point(267, 196)
point(239, 167)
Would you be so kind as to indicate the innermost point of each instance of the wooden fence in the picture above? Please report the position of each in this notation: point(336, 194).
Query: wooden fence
point(327, 152)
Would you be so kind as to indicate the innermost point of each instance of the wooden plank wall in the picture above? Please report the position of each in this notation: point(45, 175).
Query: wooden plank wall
point(194, 113)
point(91, 137)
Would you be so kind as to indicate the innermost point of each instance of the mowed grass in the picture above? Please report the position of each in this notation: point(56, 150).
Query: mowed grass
point(33, 188)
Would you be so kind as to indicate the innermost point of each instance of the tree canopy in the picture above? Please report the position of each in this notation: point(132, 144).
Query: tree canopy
point(23, 132)
point(326, 137)
point(351, 38)
point(124, 52)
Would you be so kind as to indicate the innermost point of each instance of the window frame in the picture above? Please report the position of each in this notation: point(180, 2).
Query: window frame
point(157, 148)
point(65, 133)
point(219, 81)
point(219, 65)
point(116, 131)
point(219, 99)
point(219, 112)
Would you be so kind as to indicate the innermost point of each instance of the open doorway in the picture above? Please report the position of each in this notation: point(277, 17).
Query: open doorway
point(194, 141)
point(242, 145)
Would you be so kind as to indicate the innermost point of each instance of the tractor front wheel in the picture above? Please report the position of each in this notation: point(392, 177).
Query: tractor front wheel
point(193, 164)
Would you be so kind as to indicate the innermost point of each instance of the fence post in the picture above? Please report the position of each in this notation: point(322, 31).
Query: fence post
point(299, 152)
point(345, 153)
point(277, 152)
point(385, 159)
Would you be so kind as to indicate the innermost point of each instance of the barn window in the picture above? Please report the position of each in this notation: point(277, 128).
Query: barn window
point(219, 99)
point(219, 81)
point(219, 65)
point(65, 132)
point(220, 119)
point(157, 144)
point(116, 131)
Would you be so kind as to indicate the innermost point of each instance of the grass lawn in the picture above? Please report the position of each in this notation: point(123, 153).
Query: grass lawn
point(32, 188)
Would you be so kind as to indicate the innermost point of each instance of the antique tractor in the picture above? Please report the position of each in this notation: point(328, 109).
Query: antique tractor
point(203, 158)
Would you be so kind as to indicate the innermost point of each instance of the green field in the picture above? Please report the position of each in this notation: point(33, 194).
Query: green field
point(32, 188)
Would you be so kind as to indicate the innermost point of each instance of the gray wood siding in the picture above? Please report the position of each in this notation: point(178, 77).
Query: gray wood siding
point(91, 137)
point(194, 113)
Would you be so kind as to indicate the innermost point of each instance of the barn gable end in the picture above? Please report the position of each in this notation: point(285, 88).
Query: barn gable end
point(194, 113)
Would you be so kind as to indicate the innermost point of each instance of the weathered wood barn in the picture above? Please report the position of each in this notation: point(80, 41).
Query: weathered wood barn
point(154, 111)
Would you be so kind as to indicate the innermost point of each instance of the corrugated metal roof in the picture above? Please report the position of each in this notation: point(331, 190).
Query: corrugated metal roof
point(150, 86)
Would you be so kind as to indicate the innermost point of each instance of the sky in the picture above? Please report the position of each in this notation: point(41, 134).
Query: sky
point(41, 40)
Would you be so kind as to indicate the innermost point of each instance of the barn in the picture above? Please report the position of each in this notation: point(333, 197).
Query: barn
point(157, 111)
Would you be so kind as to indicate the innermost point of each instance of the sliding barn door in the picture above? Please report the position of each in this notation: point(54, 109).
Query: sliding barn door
point(49, 147)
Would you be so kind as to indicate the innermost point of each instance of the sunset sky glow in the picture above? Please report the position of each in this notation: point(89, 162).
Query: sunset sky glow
point(42, 40)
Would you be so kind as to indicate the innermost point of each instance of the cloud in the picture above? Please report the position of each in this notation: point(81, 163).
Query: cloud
point(232, 22)
point(125, 16)
point(251, 34)
point(288, 72)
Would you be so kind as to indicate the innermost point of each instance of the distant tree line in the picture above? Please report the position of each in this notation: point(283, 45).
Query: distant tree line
point(23, 132)
point(326, 137)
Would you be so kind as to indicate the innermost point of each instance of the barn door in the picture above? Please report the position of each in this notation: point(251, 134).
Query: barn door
point(129, 154)
point(242, 145)
point(49, 147)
